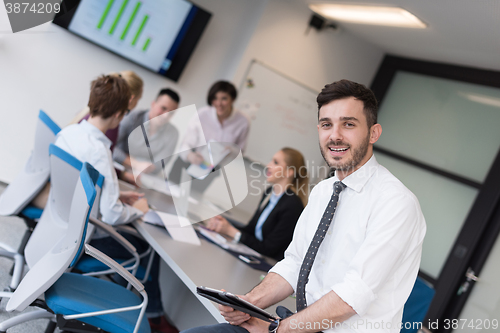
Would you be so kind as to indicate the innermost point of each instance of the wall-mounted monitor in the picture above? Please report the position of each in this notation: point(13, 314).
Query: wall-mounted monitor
point(158, 35)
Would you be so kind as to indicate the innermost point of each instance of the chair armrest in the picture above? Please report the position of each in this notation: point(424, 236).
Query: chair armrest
point(122, 241)
point(129, 230)
point(114, 234)
point(93, 252)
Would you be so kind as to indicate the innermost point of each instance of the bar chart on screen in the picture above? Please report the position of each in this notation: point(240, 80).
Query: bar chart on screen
point(143, 30)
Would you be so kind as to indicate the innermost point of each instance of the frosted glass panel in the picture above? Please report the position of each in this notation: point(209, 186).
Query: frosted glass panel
point(445, 205)
point(450, 125)
point(483, 304)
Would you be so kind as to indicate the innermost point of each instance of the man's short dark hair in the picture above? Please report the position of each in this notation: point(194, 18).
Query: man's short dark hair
point(223, 86)
point(109, 94)
point(345, 89)
point(170, 93)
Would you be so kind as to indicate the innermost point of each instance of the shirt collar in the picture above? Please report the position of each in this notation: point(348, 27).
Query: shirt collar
point(95, 132)
point(274, 198)
point(227, 120)
point(358, 179)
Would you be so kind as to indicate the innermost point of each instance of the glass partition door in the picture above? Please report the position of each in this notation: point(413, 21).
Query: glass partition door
point(441, 138)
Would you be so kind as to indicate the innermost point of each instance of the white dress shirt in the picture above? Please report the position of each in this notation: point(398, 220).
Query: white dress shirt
point(371, 254)
point(234, 130)
point(88, 144)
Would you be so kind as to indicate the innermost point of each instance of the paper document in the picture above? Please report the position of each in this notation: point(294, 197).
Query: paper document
point(179, 228)
point(152, 217)
point(225, 244)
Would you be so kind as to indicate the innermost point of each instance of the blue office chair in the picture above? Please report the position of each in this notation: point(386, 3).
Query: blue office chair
point(65, 170)
point(79, 303)
point(417, 305)
point(22, 190)
point(53, 224)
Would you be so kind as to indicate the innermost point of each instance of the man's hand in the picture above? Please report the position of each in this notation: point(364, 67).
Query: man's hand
point(130, 197)
point(142, 166)
point(232, 316)
point(195, 158)
point(142, 205)
point(255, 325)
point(221, 225)
point(129, 177)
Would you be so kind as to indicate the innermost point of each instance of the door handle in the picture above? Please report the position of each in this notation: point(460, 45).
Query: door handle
point(470, 275)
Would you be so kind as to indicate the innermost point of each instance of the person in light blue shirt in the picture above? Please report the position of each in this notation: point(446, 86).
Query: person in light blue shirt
point(271, 228)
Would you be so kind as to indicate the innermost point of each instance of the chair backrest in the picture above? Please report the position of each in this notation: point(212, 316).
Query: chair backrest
point(416, 306)
point(30, 181)
point(53, 224)
point(64, 174)
point(64, 252)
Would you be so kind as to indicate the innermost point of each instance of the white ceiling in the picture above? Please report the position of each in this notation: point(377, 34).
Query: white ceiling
point(463, 32)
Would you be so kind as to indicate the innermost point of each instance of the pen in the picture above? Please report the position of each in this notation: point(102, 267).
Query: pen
point(248, 260)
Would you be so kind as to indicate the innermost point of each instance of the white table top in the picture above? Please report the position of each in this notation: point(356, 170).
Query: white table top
point(204, 265)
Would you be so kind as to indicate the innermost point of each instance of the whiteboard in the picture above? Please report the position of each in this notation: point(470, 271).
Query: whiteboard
point(282, 113)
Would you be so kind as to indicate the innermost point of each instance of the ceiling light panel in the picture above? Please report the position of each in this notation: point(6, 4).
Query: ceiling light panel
point(375, 15)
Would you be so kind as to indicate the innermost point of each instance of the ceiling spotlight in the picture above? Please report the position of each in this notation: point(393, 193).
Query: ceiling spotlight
point(375, 15)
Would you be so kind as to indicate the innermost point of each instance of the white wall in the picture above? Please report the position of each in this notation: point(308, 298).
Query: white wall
point(314, 59)
point(48, 68)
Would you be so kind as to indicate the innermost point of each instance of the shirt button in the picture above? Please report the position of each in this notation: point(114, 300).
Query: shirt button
point(322, 261)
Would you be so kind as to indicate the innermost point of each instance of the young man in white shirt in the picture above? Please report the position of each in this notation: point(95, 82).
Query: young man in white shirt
point(86, 141)
point(367, 260)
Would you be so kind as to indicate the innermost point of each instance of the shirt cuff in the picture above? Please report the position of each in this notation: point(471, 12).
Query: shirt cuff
point(355, 292)
point(128, 214)
point(283, 269)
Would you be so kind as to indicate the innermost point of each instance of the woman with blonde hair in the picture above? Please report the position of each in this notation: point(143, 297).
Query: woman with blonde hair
point(271, 228)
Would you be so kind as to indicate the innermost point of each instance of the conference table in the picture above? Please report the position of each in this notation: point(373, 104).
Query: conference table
point(186, 266)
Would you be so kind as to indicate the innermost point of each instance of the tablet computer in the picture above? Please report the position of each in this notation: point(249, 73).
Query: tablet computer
point(228, 299)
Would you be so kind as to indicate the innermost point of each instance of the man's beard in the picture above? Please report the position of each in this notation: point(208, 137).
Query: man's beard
point(357, 154)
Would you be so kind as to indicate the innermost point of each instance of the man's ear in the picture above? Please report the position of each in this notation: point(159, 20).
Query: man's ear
point(375, 132)
point(119, 115)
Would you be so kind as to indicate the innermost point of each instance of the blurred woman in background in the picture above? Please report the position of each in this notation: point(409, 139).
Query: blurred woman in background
point(270, 230)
